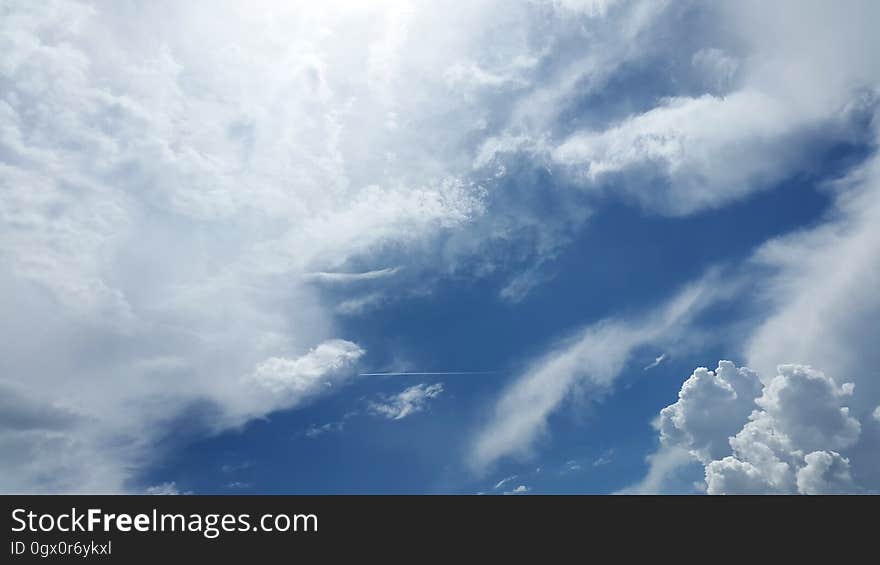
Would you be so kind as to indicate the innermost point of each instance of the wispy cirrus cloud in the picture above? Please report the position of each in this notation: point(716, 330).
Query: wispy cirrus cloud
point(342, 278)
point(409, 401)
point(656, 362)
point(592, 360)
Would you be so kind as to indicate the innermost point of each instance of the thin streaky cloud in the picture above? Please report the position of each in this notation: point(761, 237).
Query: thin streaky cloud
point(336, 277)
point(504, 481)
point(656, 362)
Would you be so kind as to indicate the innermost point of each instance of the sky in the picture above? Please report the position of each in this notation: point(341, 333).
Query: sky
point(483, 247)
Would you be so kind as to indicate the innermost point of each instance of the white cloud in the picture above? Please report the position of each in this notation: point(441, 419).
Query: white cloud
point(792, 434)
point(289, 382)
point(656, 362)
point(823, 308)
point(316, 431)
point(825, 472)
point(711, 407)
point(793, 76)
point(604, 459)
point(342, 278)
point(590, 361)
point(504, 481)
point(807, 407)
point(409, 401)
point(360, 304)
point(169, 488)
point(304, 373)
point(521, 489)
point(686, 144)
point(801, 412)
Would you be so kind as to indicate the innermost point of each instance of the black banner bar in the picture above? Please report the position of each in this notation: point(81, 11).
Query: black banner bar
point(132, 529)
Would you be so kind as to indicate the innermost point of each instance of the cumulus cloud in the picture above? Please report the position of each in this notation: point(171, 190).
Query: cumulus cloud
point(290, 381)
point(825, 472)
point(711, 407)
point(409, 401)
point(801, 411)
point(793, 434)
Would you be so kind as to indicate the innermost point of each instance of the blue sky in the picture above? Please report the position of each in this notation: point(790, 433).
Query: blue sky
point(612, 245)
point(463, 326)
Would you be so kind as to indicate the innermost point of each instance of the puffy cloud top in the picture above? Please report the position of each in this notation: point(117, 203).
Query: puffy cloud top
point(792, 434)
